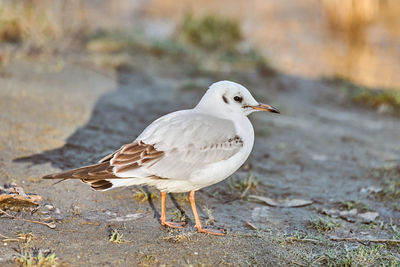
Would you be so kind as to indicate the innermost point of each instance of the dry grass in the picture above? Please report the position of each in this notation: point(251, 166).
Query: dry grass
point(323, 224)
point(40, 25)
point(141, 195)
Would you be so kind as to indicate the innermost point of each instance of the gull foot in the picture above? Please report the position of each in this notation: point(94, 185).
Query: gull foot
point(174, 224)
point(219, 232)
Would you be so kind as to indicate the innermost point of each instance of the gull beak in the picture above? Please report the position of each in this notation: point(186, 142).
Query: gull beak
point(265, 107)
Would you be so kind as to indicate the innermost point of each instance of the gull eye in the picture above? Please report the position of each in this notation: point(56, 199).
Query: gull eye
point(238, 99)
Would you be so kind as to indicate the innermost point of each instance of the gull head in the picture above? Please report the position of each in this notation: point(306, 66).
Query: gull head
point(226, 97)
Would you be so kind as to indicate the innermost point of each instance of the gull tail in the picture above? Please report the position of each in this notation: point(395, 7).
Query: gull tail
point(96, 175)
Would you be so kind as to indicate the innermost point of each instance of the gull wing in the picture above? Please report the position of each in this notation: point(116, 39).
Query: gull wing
point(188, 142)
point(172, 147)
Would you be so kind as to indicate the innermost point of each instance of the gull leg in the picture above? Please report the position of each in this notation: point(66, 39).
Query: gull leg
point(163, 214)
point(198, 225)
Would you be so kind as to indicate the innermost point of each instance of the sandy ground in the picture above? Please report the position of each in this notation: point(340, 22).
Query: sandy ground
point(58, 115)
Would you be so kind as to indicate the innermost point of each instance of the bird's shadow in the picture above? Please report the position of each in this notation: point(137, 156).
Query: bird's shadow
point(117, 118)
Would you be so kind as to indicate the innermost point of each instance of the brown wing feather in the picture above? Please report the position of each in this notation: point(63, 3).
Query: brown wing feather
point(101, 170)
point(135, 155)
point(98, 184)
point(128, 157)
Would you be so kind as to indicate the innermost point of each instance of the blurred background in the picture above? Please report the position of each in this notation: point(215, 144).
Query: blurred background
point(356, 40)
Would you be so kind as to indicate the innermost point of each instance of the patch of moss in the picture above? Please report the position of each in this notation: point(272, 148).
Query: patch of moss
point(210, 32)
point(321, 224)
point(385, 101)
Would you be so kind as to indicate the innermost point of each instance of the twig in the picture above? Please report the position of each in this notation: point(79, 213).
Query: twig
point(351, 239)
point(50, 225)
point(3, 236)
point(8, 239)
point(250, 225)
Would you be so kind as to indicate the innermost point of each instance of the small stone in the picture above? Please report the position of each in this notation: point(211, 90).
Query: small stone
point(319, 157)
point(51, 225)
point(49, 207)
point(368, 217)
point(370, 190)
point(346, 213)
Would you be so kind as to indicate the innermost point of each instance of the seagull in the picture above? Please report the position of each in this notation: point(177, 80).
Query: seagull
point(182, 151)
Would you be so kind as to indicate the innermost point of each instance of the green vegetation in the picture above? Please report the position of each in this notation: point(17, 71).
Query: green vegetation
point(178, 238)
point(325, 224)
point(211, 32)
point(209, 45)
point(360, 256)
point(354, 204)
point(29, 255)
point(391, 228)
point(385, 101)
point(378, 98)
point(305, 236)
point(116, 237)
point(33, 257)
point(117, 41)
point(243, 185)
point(390, 179)
point(178, 216)
point(141, 195)
point(146, 260)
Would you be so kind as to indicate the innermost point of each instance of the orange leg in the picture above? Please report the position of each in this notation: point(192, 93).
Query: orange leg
point(198, 225)
point(163, 215)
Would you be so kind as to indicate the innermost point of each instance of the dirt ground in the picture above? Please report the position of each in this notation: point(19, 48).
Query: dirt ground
point(61, 114)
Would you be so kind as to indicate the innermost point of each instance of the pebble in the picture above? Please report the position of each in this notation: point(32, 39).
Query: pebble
point(49, 207)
